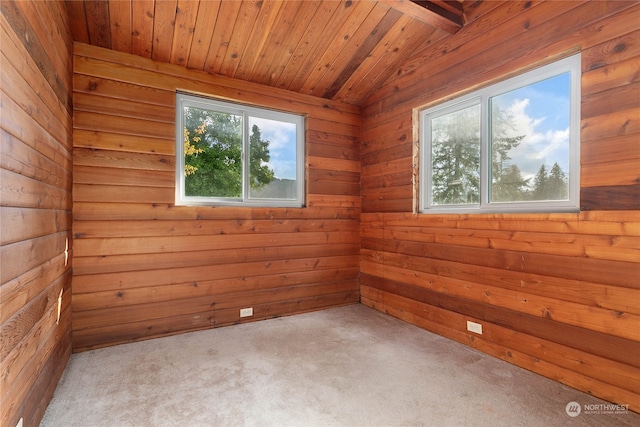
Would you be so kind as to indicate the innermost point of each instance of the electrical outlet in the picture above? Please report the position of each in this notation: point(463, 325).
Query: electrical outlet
point(474, 327)
point(246, 312)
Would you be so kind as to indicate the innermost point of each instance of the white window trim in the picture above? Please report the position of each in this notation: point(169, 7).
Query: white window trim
point(186, 100)
point(571, 65)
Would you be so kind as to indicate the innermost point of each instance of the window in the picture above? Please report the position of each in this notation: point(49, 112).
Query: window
point(232, 154)
point(509, 147)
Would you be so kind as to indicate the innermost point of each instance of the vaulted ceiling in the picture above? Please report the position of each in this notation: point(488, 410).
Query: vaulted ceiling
point(339, 50)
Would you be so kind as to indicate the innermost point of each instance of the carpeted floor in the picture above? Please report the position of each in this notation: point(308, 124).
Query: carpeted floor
point(348, 366)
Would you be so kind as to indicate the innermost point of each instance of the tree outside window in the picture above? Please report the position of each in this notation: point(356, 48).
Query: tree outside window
point(231, 154)
point(512, 146)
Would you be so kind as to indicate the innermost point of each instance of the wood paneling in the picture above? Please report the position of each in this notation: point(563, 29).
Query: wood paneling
point(146, 268)
point(35, 206)
point(339, 50)
point(556, 293)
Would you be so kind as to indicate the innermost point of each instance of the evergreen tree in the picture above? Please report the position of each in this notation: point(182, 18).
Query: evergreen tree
point(259, 151)
point(455, 157)
point(557, 183)
point(510, 186)
point(550, 186)
point(540, 184)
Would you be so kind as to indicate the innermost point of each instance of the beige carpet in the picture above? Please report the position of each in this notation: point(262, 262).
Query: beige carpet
point(348, 366)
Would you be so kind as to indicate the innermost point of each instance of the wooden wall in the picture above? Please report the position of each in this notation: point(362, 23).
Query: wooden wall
point(35, 205)
point(146, 268)
point(558, 294)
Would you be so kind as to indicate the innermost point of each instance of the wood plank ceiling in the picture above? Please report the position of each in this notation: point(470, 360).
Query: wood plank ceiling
point(338, 50)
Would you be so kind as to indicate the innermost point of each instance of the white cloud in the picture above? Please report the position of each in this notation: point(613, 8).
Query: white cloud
point(279, 134)
point(282, 145)
point(538, 145)
point(558, 139)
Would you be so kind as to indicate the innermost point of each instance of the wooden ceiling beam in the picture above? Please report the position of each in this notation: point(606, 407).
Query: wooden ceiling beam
point(430, 12)
point(452, 6)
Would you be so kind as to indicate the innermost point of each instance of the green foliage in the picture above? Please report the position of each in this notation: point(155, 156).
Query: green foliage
point(259, 171)
point(557, 183)
point(213, 155)
point(509, 186)
point(540, 184)
point(551, 186)
point(455, 162)
point(501, 143)
point(455, 157)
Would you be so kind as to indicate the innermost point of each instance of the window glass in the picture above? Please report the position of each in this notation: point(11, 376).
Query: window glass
point(509, 147)
point(272, 146)
point(455, 157)
point(212, 153)
point(530, 142)
point(230, 154)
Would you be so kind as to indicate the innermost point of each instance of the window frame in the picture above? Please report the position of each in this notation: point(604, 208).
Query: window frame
point(571, 65)
point(246, 111)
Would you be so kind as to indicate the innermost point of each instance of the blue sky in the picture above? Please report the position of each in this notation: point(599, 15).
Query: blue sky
point(282, 145)
point(540, 111)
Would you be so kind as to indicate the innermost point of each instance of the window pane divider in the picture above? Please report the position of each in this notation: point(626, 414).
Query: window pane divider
point(511, 146)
